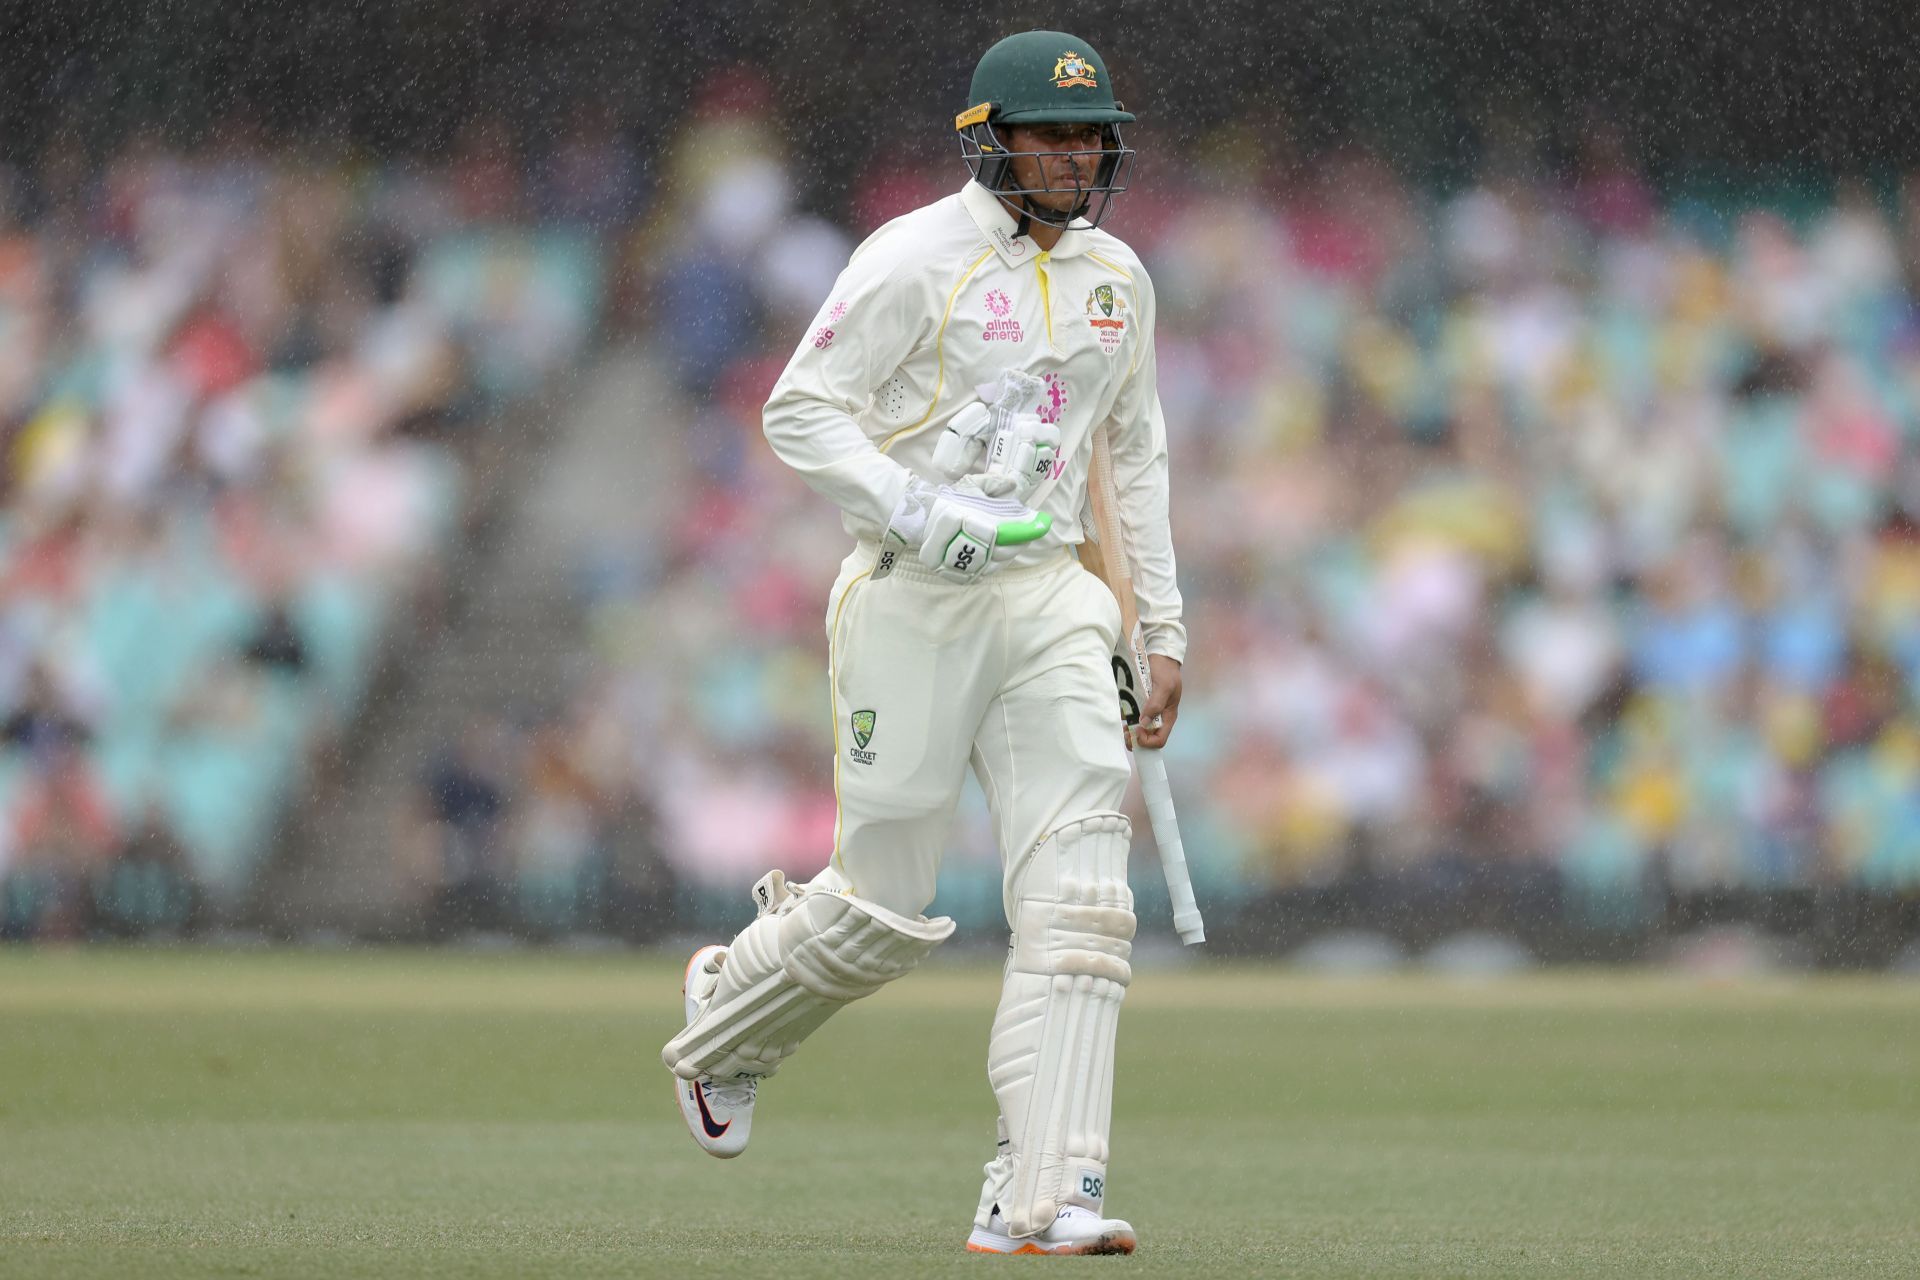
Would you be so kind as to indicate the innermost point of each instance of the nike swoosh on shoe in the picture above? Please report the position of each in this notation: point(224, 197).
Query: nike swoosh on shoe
point(706, 1117)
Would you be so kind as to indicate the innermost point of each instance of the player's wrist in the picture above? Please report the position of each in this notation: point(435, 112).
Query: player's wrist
point(908, 523)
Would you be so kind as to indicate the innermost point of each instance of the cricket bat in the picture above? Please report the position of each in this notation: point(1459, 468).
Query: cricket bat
point(1106, 555)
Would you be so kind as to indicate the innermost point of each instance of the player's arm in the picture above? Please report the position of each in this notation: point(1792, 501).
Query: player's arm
point(1137, 433)
point(880, 310)
point(870, 324)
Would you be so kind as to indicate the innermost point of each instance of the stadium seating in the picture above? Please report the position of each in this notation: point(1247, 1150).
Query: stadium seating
point(228, 479)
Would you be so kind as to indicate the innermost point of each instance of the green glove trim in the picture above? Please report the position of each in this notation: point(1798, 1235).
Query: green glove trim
point(1015, 533)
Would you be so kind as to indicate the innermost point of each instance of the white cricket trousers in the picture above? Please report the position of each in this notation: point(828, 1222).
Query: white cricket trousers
point(1010, 676)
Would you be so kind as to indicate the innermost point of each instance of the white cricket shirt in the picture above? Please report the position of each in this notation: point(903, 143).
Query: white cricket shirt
point(942, 300)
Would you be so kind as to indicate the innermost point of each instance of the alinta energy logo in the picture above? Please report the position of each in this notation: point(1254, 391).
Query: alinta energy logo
point(823, 336)
point(1002, 328)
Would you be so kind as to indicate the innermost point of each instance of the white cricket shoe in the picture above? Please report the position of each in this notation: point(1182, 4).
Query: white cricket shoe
point(719, 1113)
point(1075, 1231)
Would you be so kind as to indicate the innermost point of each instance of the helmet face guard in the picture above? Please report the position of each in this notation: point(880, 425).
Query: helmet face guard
point(990, 161)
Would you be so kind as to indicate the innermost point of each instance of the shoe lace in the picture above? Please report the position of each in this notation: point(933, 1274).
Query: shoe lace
point(737, 1092)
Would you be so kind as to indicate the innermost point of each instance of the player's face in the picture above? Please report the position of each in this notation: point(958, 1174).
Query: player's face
point(1066, 175)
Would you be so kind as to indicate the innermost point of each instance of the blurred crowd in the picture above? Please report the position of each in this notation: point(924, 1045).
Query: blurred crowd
point(1569, 528)
point(540, 828)
point(1555, 527)
point(241, 390)
point(1552, 528)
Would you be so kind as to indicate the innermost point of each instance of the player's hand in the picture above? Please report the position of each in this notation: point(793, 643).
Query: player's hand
point(1001, 437)
point(1019, 445)
point(1163, 704)
point(964, 531)
point(969, 533)
point(965, 437)
point(1024, 454)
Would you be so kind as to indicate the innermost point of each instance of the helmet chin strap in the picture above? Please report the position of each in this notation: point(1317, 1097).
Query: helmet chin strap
point(1027, 206)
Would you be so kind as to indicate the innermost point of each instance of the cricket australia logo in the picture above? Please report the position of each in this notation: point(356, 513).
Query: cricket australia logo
point(862, 722)
point(1001, 328)
point(1107, 317)
point(1071, 70)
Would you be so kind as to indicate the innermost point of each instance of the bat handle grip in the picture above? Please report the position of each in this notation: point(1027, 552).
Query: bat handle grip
point(1158, 793)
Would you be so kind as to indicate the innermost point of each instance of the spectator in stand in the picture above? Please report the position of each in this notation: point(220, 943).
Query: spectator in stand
point(466, 794)
point(146, 886)
point(593, 179)
point(46, 718)
point(276, 643)
point(64, 834)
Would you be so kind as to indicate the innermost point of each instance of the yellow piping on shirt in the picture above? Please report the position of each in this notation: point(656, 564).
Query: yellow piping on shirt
point(940, 378)
point(1046, 291)
point(1111, 266)
point(833, 705)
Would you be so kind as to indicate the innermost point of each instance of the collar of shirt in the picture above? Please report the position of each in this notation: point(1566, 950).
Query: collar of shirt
point(996, 223)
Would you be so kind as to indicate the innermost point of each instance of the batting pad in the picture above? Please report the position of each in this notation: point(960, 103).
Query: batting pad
point(1051, 1055)
point(808, 953)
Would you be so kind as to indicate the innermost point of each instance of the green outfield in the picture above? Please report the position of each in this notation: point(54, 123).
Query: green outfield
point(412, 1115)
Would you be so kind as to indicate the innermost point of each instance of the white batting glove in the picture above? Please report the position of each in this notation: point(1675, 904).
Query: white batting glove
point(1001, 436)
point(962, 532)
point(1023, 454)
point(957, 452)
point(1019, 445)
point(1023, 450)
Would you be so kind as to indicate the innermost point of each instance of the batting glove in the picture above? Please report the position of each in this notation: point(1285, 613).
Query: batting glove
point(961, 531)
point(1001, 435)
point(1023, 455)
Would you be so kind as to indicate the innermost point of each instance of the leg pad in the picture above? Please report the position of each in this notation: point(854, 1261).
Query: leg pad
point(808, 954)
point(1051, 1056)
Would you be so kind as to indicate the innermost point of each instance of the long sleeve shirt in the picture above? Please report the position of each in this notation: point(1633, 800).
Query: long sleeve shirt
point(936, 305)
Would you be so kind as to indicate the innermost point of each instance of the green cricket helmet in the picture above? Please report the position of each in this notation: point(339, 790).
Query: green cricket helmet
point(1043, 77)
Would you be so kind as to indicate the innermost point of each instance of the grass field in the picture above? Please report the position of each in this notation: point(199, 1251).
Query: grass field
point(395, 1114)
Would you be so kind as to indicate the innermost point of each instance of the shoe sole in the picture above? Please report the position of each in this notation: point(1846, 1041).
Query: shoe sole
point(1107, 1243)
point(686, 980)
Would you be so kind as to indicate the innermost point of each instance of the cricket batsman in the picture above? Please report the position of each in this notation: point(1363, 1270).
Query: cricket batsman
point(944, 399)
